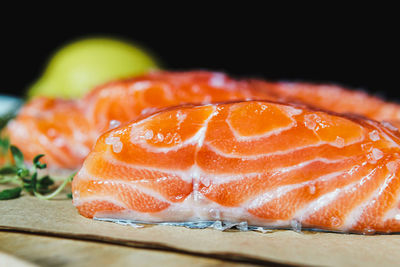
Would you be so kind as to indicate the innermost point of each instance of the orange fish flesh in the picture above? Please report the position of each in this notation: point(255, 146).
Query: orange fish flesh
point(266, 163)
point(65, 131)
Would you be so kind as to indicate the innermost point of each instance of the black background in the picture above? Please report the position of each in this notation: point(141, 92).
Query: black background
point(355, 55)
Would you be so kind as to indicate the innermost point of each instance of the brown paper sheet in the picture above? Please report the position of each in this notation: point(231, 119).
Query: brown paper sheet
point(60, 218)
point(9, 260)
point(35, 250)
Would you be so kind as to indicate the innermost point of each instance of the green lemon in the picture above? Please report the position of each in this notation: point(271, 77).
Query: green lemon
point(78, 67)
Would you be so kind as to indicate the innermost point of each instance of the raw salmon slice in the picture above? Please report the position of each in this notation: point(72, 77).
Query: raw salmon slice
point(266, 163)
point(334, 98)
point(65, 131)
point(56, 128)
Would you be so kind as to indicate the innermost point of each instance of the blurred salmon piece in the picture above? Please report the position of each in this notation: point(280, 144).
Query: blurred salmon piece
point(56, 128)
point(65, 131)
point(334, 98)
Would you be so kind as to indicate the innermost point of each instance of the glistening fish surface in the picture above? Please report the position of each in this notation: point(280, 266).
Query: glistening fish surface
point(265, 163)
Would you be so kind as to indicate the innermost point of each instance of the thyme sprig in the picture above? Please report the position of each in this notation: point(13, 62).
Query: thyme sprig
point(27, 179)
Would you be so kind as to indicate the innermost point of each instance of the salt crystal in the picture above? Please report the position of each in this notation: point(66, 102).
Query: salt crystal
point(160, 137)
point(366, 147)
point(392, 166)
point(377, 154)
point(310, 121)
point(114, 124)
point(293, 111)
point(389, 126)
point(168, 138)
point(177, 138)
point(354, 169)
point(148, 134)
point(115, 142)
point(111, 140)
point(181, 117)
point(374, 135)
point(339, 141)
point(117, 147)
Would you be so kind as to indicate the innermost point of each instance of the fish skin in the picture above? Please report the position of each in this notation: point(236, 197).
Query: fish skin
point(65, 131)
point(342, 174)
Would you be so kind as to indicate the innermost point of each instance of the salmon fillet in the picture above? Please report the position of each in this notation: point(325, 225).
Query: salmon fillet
point(65, 131)
point(54, 127)
point(266, 163)
point(333, 98)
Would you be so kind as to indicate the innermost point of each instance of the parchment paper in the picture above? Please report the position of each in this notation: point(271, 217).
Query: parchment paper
point(60, 218)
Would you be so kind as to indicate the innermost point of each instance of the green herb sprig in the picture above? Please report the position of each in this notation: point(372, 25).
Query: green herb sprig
point(27, 179)
point(4, 146)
